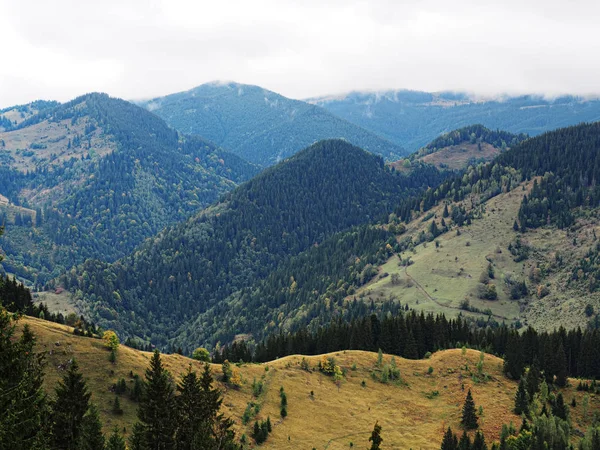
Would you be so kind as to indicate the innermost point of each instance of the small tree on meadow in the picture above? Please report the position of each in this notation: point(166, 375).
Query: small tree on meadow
point(469, 413)
point(376, 438)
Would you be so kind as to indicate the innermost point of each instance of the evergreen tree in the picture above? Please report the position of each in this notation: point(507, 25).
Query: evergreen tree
point(469, 413)
point(116, 441)
point(559, 408)
point(156, 412)
point(465, 442)
point(561, 370)
point(449, 442)
point(91, 437)
point(479, 442)
point(375, 438)
point(137, 438)
point(532, 379)
point(521, 399)
point(23, 407)
point(193, 429)
point(69, 409)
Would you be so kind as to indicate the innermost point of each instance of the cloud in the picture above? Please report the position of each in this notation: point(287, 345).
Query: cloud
point(140, 49)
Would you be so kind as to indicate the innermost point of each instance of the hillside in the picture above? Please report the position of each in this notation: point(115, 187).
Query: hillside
point(545, 270)
point(529, 219)
point(101, 175)
point(291, 207)
point(461, 148)
point(331, 416)
point(259, 125)
point(413, 413)
point(12, 116)
point(411, 119)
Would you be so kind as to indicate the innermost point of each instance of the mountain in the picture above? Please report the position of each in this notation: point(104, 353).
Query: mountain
point(411, 119)
point(94, 177)
point(259, 125)
point(460, 148)
point(440, 249)
point(515, 239)
point(192, 267)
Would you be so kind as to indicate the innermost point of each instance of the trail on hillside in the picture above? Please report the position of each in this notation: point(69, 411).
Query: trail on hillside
point(434, 300)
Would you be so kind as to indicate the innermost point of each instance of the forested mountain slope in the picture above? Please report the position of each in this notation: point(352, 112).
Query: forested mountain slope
point(96, 176)
point(411, 119)
point(461, 148)
point(192, 267)
point(485, 222)
point(515, 239)
point(259, 125)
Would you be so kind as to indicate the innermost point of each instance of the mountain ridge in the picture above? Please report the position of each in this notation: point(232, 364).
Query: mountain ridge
point(257, 124)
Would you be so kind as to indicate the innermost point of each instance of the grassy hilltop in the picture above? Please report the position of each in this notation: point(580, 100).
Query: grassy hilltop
point(413, 412)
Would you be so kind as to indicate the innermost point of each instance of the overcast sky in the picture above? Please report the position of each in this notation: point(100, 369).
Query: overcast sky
point(59, 49)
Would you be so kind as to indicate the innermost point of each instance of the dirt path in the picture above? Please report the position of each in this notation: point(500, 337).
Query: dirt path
point(434, 300)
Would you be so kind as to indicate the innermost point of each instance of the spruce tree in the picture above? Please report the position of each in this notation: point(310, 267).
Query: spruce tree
point(469, 413)
point(559, 408)
point(449, 442)
point(561, 366)
point(465, 442)
point(157, 413)
point(375, 438)
point(69, 409)
point(23, 405)
point(479, 442)
point(91, 437)
point(193, 420)
point(116, 441)
point(521, 399)
point(532, 380)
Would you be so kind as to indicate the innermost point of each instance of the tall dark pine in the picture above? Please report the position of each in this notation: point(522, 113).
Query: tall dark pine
point(449, 442)
point(376, 438)
point(465, 442)
point(532, 380)
point(116, 441)
point(521, 399)
point(23, 408)
point(69, 408)
point(479, 442)
point(513, 359)
point(91, 437)
point(469, 414)
point(561, 366)
point(156, 412)
point(193, 428)
point(222, 436)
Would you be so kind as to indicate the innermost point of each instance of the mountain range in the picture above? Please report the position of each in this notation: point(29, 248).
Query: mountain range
point(412, 119)
point(259, 125)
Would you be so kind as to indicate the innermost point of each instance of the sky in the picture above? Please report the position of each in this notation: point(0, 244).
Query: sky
point(59, 49)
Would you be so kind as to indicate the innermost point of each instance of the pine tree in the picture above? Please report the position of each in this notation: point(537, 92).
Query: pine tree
point(521, 399)
point(465, 442)
point(469, 413)
point(69, 408)
point(559, 408)
point(561, 366)
point(156, 412)
point(479, 442)
point(375, 438)
point(23, 406)
point(136, 392)
point(116, 441)
point(532, 379)
point(449, 442)
point(91, 437)
point(193, 427)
